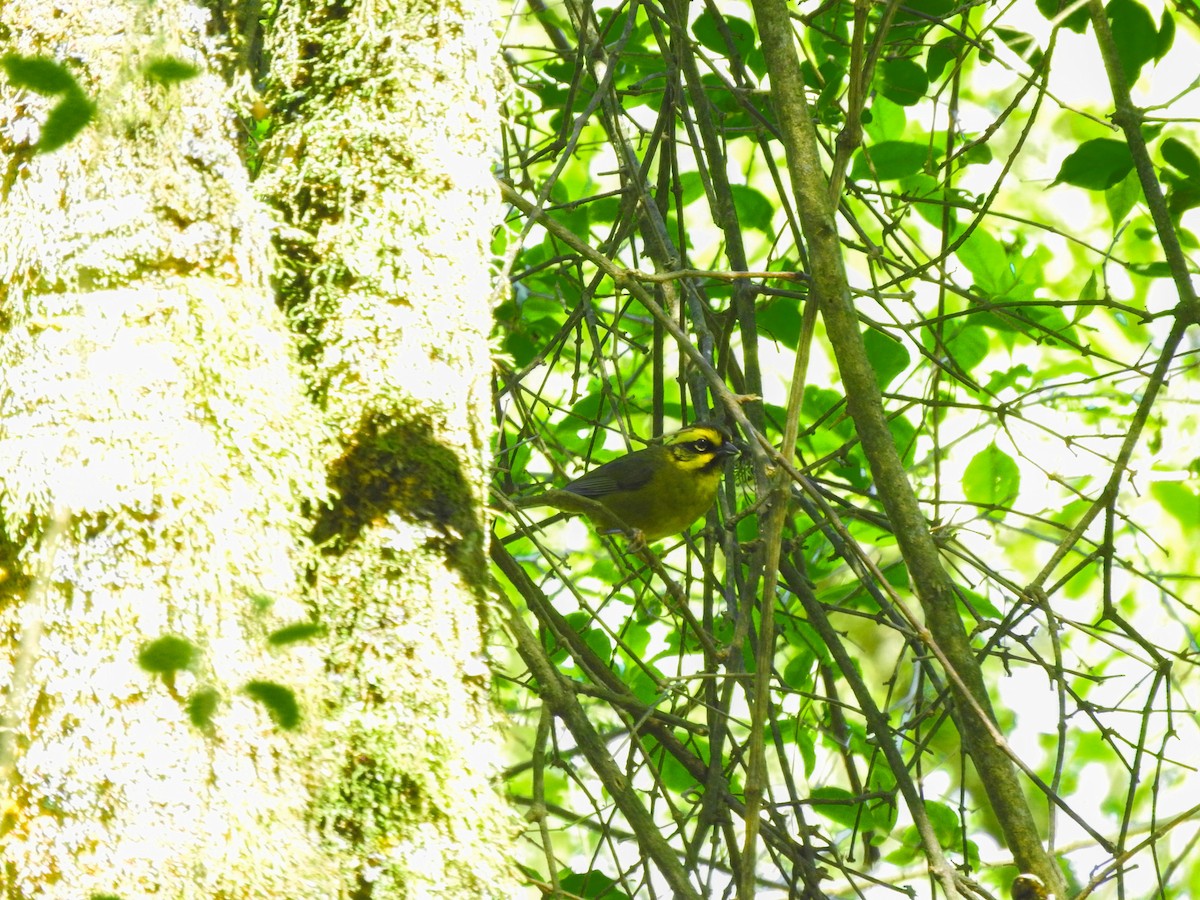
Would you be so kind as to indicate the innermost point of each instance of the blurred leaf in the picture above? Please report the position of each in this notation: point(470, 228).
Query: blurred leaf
point(591, 885)
point(920, 13)
point(1135, 35)
point(167, 655)
point(1182, 157)
point(840, 806)
point(903, 81)
point(1022, 44)
point(980, 607)
point(708, 31)
point(202, 706)
point(945, 823)
point(942, 54)
point(779, 319)
point(887, 120)
point(991, 478)
point(69, 117)
point(1077, 21)
point(753, 208)
point(39, 74)
point(1097, 164)
point(889, 160)
point(169, 70)
point(904, 435)
point(291, 634)
point(1181, 501)
point(1183, 196)
point(888, 356)
point(279, 701)
point(1152, 270)
point(642, 684)
point(1051, 322)
point(1121, 197)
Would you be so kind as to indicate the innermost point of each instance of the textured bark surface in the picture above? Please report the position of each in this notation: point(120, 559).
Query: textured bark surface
point(381, 173)
point(156, 423)
point(151, 409)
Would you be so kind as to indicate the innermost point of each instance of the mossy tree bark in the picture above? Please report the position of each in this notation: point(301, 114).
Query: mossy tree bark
point(240, 587)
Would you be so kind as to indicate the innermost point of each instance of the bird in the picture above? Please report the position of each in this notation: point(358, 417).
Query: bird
point(655, 492)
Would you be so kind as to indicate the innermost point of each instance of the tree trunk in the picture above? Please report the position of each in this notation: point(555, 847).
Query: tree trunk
point(201, 703)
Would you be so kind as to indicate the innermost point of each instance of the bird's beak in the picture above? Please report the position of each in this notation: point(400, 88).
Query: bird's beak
point(729, 448)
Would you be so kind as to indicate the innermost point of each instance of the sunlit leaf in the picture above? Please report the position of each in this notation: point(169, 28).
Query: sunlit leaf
point(991, 478)
point(170, 70)
point(1097, 164)
point(39, 74)
point(903, 81)
point(168, 654)
point(1135, 35)
point(888, 356)
point(712, 32)
point(889, 160)
point(291, 634)
point(68, 117)
point(202, 706)
point(279, 701)
point(1181, 156)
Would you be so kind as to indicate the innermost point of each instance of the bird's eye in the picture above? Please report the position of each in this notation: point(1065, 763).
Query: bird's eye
point(704, 445)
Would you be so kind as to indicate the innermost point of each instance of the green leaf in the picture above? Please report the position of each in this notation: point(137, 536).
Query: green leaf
point(593, 885)
point(754, 209)
point(779, 319)
point(921, 13)
point(887, 355)
point(1097, 164)
point(65, 121)
point(167, 655)
point(202, 705)
point(987, 261)
point(945, 823)
point(889, 160)
point(1077, 21)
point(967, 346)
point(904, 435)
point(1180, 156)
point(642, 685)
point(1181, 501)
point(1183, 196)
point(1134, 34)
point(169, 70)
point(887, 120)
point(1158, 269)
point(1052, 323)
point(707, 29)
point(280, 702)
point(38, 74)
point(981, 607)
point(798, 671)
point(991, 478)
point(291, 634)
point(1121, 197)
point(1166, 34)
point(821, 402)
point(840, 806)
point(1022, 44)
point(942, 54)
point(904, 82)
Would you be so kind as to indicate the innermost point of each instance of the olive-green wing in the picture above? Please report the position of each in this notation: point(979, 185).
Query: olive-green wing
point(628, 473)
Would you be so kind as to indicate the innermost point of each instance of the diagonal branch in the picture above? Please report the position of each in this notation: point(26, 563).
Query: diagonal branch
point(933, 586)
